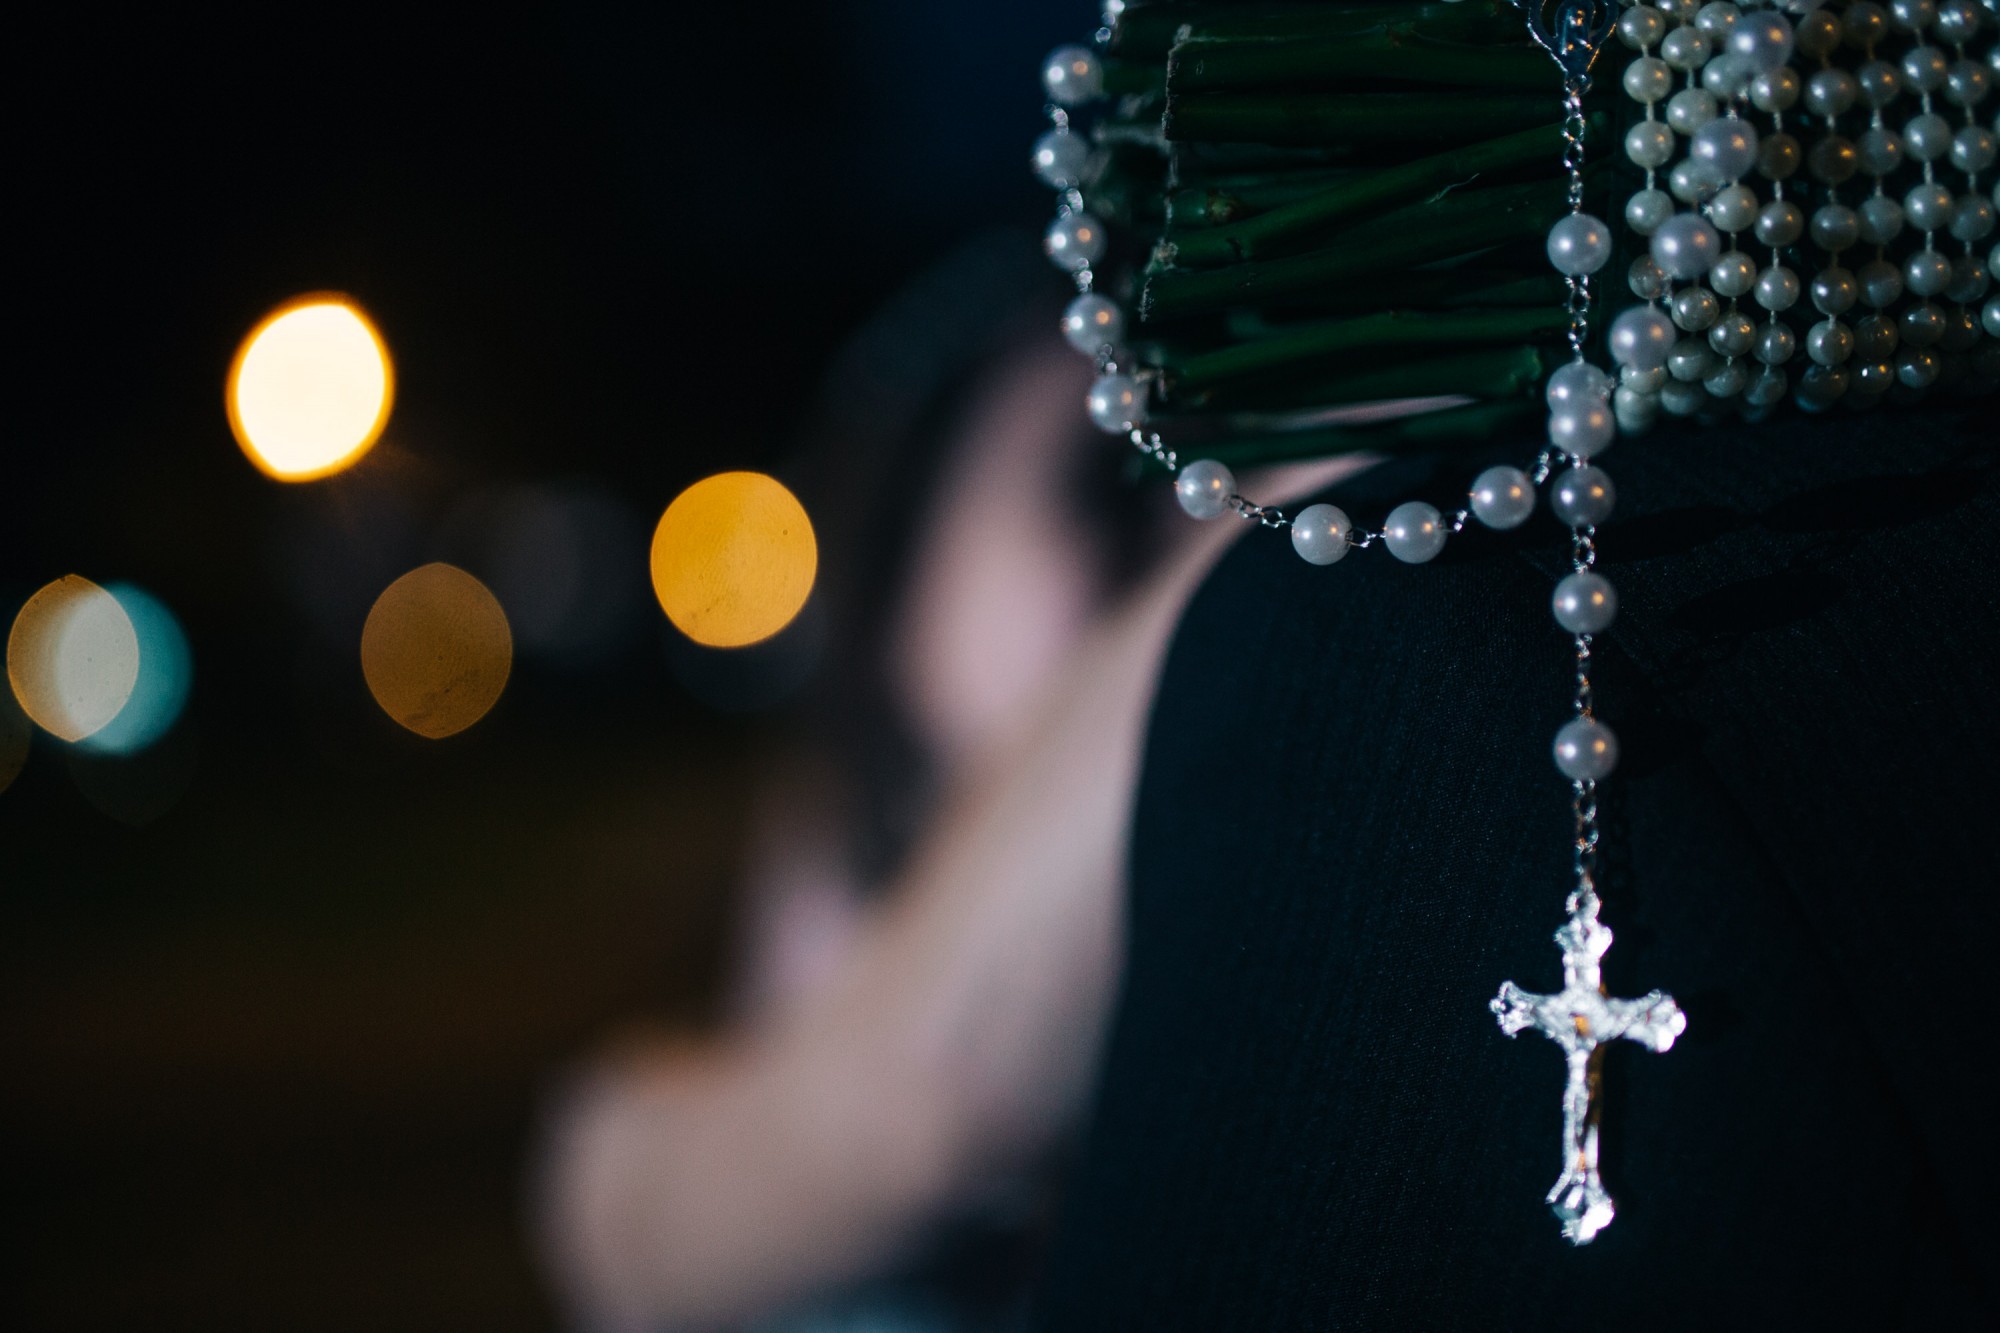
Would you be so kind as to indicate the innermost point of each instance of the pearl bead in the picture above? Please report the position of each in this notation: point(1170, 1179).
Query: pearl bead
point(1643, 381)
point(1927, 137)
point(1681, 399)
point(1969, 280)
point(1204, 487)
point(1863, 25)
point(1717, 20)
point(1503, 497)
point(1912, 15)
point(1989, 317)
point(1971, 218)
point(1830, 92)
point(1768, 389)
point(1728, 380)
point(1586, 750)
point(1319, 534)
point(1071, 75)
point(1695, 308)
point(1690, 109)
point(1645, 278)
point(1829, 342)
point(1074, 241)
point(1642, 337)
point(1967, 85)
point(1685, 245)
point(1649, 144)
point(1635, 411)
point(1683, 10)
point(1691, 361)
point(1582, 430)
point(1576, 384)
point(1647, 210)
point(1875, 338)
point(1732, 335)
point(1585, 603)
point(1818, 33)
point(1833, 159)
point(1727, 77)
point(1958, 22)
point(1092, 323)
point(1059, 159)
point(1961, 330)
point(1648, 80)
point(1725, 147)
point(1820, 387)
point(1763, 43)
point(1881, 283)
point(1927, 273)
point(1733, 274)
point(1779, 156)
point(1775, 344)
point(1835, 227)
point(1834, 291)
point(1928, 206)
point(1872, 378)
point(1917, 368)
point(1776, 90)
point(1879, 83)
point(1641, 26)
point(1414, 532)
point(1780, 223)
point(1733, 209)
point(1924, 68)
point(1690, 182)
point(1922, 325)
point(1881, 219)
point(1116, 403)
point(1777, 288)
point(1879, 151)
point(1583, 496)
point(1685, 49)
point(1579, 244)
point(1972, 149)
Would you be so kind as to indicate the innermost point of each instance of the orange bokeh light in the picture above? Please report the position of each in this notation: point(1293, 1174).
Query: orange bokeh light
point(734, 558)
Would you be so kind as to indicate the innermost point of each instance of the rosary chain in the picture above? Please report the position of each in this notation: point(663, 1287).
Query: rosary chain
point(1583, 801)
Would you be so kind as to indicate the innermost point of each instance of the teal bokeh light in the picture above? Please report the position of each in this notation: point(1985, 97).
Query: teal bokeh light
point(166, 673)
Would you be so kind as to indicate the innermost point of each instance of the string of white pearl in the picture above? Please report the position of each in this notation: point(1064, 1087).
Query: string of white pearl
point(1580, 424)
point(1742, 55)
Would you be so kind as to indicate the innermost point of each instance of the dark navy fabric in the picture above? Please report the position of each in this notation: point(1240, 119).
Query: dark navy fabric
point(1349, 831)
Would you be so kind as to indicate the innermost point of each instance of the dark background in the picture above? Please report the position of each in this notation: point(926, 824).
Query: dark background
point(278, 997)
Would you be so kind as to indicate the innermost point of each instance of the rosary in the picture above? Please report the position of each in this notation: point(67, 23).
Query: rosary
point(1709, 334)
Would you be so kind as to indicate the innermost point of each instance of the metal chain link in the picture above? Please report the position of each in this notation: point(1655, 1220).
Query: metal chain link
point(1574, 127)
point(1583, 557)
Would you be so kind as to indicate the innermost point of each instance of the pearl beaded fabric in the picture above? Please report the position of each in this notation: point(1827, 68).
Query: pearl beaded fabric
point(1825, 231)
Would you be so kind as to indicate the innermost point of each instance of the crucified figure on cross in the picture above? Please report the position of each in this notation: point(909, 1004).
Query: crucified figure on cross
point(1581, 1018)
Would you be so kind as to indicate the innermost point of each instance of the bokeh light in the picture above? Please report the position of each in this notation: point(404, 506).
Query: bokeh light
point(436, 650)
point(72, 657)
point(166, 671)
point(311, 388)
point(733, 559)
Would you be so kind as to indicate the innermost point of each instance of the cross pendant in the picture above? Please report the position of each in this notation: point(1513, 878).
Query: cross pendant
point(1581, 1018)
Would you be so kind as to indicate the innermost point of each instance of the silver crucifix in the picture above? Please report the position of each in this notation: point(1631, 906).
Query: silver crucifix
point(1581, 1018)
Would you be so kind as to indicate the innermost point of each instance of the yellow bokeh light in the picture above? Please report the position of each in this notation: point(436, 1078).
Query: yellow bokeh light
point(436, 650)
point(311, 388)
point(734, 559)
point(72, 657)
